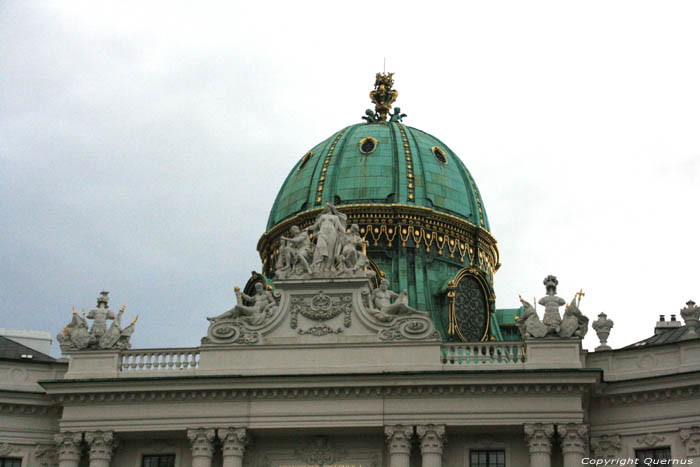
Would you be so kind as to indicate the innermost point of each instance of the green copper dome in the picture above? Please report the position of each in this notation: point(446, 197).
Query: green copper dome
point(380, 163)
point(417, 209)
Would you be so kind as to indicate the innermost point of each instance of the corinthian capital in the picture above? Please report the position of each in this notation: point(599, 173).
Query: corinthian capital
point(691, 439)
point(432, 438)
point(101, 443)
point(539, 437)
point(202, 441)
point(234, 441)
point(68, 445)
point(398, 438)
point(574, 438)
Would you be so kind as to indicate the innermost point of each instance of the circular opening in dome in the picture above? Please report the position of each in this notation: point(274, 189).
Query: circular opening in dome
point(368, 145)
point(439, 154)
point(305, 159)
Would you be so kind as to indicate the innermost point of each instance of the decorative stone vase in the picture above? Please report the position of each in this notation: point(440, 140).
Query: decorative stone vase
point(602, 327)
point(691, 316)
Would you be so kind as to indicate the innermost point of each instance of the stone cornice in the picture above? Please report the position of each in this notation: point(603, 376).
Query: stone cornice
point(652, 395)
point(321, 392)
point(28, 409)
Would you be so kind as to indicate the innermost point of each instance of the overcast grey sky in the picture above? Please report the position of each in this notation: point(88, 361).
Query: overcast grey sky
point(142, 144)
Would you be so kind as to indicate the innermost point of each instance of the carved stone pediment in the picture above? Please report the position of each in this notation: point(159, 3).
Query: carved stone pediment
point(322, 311)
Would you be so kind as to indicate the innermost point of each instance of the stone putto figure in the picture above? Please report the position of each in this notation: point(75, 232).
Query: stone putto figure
point(381, 301)
point(263, 304)
point(602, 327)
point(76, 335)
point(551, 303)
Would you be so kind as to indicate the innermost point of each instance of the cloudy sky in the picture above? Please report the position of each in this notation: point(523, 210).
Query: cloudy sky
point(142, 144)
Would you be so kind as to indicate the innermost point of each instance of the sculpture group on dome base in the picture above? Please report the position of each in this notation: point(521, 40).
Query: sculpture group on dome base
point(324, 250)
point(573, 324)
point(77, 335)
point(320, 311)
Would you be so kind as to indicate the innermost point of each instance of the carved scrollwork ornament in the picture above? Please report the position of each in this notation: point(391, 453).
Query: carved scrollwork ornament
point(606, 446)
point(319, 451)
point(6, 449)
point(45, 454)
point(691, 440)
point(650, 439)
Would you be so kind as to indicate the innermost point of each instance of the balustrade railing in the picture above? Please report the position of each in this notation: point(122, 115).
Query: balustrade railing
point(158, 360)
point(484, 353)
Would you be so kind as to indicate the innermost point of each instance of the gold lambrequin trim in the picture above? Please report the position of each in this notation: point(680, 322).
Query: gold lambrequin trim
point(409, 164)
point(453, 329)
point(424, 227)
point(324, 169)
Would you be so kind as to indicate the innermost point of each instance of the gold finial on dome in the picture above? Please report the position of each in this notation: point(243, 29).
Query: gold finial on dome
point(383, 96)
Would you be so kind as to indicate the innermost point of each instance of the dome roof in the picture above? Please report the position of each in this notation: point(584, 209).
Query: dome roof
point(380, 163)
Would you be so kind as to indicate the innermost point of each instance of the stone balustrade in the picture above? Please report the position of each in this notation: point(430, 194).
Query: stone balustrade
point(158, 360)
point(484, 354)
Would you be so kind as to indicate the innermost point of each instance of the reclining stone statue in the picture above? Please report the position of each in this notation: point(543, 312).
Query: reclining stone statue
point(263, 303)
point(381, 302)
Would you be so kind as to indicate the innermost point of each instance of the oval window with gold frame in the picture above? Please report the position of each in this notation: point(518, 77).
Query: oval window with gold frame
point(368, 145)
point(305, 159)
point(439, 154)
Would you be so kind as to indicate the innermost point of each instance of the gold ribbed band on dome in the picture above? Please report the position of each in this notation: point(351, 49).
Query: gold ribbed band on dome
point(324, 169)
point(409, 164)
point(409, 226)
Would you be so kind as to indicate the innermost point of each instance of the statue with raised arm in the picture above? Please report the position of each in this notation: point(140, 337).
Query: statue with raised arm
point(255, 314)
point(329, 231)
point(381, 301)
point(295, 253)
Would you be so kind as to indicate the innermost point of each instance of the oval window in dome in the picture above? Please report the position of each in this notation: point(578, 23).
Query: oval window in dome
point(439, 154)
point(305, 159)
point(368, 145)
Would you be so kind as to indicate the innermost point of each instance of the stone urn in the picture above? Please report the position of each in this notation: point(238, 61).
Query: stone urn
point(691, 315)
point(602, 327)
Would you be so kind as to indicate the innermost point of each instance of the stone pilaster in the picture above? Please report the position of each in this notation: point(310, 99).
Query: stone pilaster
point(432, 439)
point(69, 448)
point(539, 440)
point(202, 440)
point(691, 440)
point(101, 445)
point(606, 447)
point(233, 443)
point(574, 443)
point(398, 440)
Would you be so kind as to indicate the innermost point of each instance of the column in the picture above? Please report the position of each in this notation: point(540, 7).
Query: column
point(68, 446)
point(101, 445)
point(432, 439)
point(234, 441)
point(202, 446)
point(539, 440)
point(691, 440)
point(574, 443)
point(398, 439)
